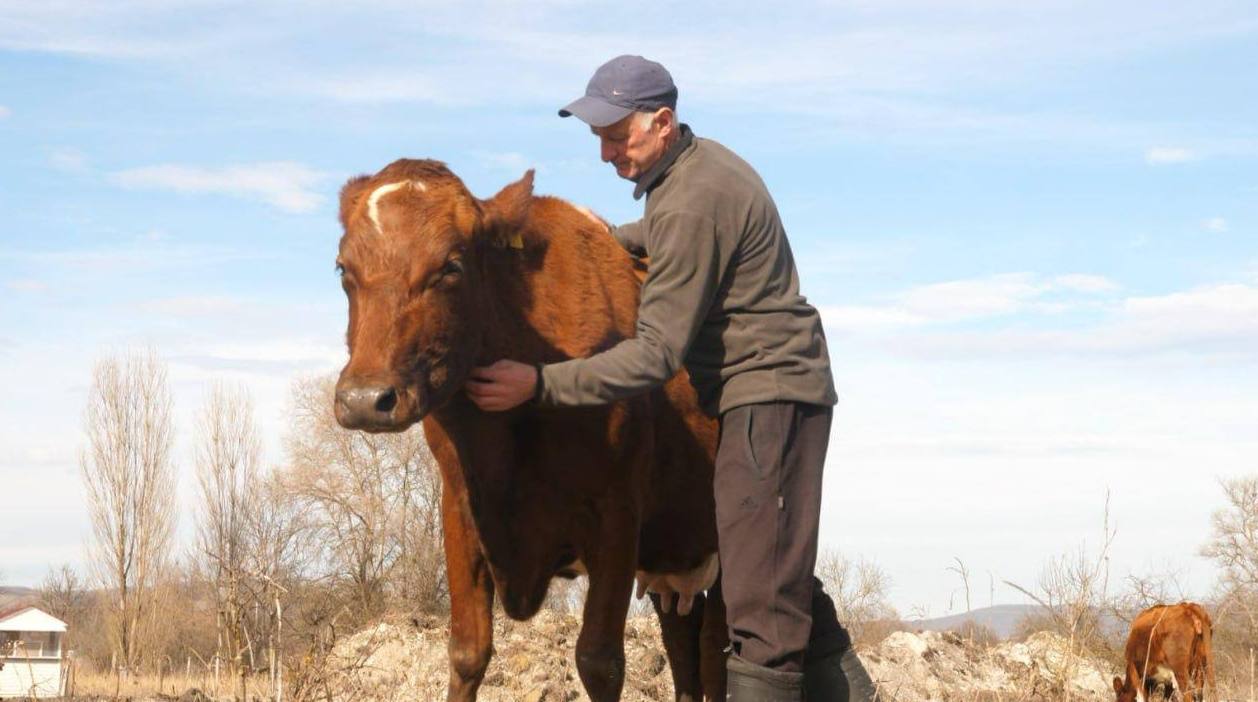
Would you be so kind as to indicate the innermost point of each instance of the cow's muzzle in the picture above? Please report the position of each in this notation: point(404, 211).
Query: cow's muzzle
point(371, 406)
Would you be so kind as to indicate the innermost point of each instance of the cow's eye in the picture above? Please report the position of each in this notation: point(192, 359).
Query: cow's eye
point(453, 267)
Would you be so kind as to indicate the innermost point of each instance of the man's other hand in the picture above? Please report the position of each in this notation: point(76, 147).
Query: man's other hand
point(502, 385)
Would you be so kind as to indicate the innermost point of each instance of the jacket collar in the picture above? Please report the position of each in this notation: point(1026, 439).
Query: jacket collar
point(656, 173)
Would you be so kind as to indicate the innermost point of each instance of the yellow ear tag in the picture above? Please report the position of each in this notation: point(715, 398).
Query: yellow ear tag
point(516, 241)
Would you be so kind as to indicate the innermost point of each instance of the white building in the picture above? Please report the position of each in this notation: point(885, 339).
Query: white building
point(30, 650)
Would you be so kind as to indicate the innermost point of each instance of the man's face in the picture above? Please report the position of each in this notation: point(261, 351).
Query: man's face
point(633, 144)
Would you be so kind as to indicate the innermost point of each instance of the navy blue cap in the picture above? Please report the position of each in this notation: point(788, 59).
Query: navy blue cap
point(623, 85)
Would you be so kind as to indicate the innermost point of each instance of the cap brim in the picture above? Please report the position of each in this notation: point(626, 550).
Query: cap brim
point(595, 112)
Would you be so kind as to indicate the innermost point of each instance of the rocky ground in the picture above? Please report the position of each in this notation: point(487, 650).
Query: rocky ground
point(934, 666)
point(533, 663)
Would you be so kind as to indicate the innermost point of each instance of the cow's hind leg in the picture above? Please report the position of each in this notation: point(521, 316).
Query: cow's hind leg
point(713, 645)
point(471, 603)
point(682, 641)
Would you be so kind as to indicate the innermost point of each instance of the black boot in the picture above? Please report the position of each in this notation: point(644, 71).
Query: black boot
point(839, 677)
point(748, 682)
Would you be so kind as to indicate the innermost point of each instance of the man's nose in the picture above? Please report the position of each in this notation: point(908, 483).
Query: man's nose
point(608, 153)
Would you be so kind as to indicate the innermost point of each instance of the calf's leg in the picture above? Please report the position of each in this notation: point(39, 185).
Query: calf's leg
point(610, 562)
point(471, 603)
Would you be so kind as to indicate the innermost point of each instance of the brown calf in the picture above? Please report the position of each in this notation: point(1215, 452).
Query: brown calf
point(439, 282)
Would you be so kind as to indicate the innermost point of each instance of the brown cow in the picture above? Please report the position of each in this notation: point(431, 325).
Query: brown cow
point(1168, 648)
point(439, 282)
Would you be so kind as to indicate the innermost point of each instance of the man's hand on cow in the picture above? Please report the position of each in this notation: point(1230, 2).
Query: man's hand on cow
point(502, 385)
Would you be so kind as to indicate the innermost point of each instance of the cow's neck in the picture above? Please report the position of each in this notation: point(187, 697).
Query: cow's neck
point(555, 301)
point(503, 311)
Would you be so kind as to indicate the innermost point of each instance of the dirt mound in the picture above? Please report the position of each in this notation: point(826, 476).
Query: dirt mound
point(533, 662)
point(934, 666)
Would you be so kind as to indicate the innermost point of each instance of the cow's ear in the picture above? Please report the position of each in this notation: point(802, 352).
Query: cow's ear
point(506, 212)
point(1118, 686)
point(351, 192)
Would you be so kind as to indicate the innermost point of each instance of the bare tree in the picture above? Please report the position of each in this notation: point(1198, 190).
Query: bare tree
point(859, 591)
point(130, 485)
point(373, 499)
point(61, 594)
point(227, 457)
point(1234, 547)
point(281, 538)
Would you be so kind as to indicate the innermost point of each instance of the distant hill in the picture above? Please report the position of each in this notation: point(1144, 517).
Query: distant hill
point(11, 595)
point(1002, 619)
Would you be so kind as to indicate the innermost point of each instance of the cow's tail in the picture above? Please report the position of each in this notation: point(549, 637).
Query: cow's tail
point(1208, 654)
point(1202, 653)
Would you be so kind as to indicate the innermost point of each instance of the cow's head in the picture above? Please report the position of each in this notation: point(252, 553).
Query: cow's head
point(1122, 692)
point(410, 266)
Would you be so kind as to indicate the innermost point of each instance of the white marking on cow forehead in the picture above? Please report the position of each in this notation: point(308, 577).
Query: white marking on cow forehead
point(373, 201)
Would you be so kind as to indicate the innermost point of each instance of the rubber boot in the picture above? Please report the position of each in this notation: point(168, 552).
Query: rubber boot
point(839, 677)
point(748, 682)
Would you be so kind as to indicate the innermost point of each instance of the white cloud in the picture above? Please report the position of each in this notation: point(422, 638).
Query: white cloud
point(147, 255)
point(382, 87)
point(26, 285)
point(5, 112)
point(510, 161)
point(196, 306)
point(1215, 224)
point(285, 185)
point(281, 358)
point(904, 64)
point(68, 160)
point(1085, 283)
point(965, 299)
point(975, 298)
point(1163, 155)
point(1209, 317)
point(1024, 315)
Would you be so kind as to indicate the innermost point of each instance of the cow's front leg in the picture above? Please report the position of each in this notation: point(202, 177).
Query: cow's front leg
point(471, 601)
point(601, 645)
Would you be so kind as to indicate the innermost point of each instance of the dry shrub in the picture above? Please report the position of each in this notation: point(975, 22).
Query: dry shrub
point(976, 634)
point(1073, 594)
point(859, 590)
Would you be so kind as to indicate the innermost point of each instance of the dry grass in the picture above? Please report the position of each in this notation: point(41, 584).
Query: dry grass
point(88, 683)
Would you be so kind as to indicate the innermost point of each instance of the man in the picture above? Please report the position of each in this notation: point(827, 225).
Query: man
point(722, 297)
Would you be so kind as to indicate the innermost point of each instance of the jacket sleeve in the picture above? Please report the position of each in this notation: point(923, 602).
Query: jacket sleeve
point(632, 237)
point(687, 263)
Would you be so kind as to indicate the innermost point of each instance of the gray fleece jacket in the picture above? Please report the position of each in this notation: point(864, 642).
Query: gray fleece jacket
point(721, 295)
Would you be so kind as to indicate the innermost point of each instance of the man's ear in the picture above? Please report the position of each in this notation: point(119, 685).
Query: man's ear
point(507, 211)
point(665, 119)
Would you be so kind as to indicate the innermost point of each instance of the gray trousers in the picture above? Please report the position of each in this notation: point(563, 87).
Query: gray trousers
point(768, 505)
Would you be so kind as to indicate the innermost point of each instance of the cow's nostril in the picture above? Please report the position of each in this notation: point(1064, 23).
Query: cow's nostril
point(386, 401)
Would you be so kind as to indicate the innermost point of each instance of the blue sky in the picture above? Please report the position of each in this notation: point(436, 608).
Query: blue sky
point(1032, 229)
